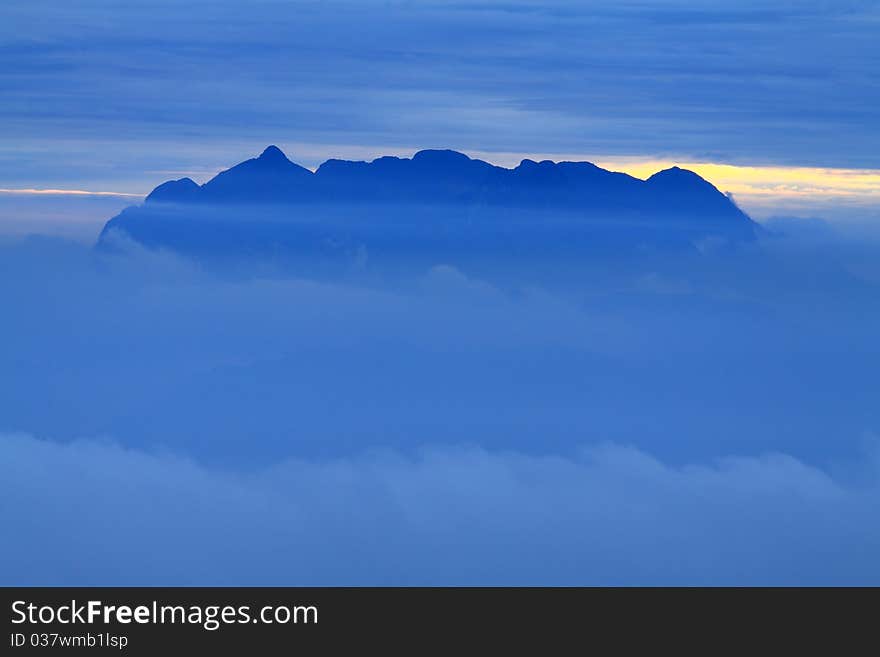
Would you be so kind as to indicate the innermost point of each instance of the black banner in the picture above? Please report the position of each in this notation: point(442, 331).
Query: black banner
point(255, 621)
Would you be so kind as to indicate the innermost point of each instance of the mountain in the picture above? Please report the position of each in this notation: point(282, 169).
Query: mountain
point(439, 204)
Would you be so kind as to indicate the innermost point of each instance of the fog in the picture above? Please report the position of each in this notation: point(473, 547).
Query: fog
point(87, 512)
point(702, 417)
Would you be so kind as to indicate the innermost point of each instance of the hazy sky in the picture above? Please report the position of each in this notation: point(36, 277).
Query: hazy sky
point(101, 96)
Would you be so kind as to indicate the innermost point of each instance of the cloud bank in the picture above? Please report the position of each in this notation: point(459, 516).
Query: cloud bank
point(703, 421)
point(89, 512)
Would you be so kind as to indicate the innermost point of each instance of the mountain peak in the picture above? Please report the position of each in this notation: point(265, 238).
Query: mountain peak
point(676, 178)
point(440, 155)
point(273, 154)
point(676, 173)
point(175, 191)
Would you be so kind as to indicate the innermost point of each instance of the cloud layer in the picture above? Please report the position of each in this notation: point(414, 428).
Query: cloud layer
point(86, 513)
point(99, 95)
point(702, 419)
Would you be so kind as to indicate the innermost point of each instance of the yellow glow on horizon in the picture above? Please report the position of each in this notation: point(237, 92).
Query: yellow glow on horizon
point(758, 188)
point(769, 181)
point(755, 186)
point(66, 192)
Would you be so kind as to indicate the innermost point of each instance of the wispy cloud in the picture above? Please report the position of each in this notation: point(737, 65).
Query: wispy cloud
point(67, 192)
point(92, 102)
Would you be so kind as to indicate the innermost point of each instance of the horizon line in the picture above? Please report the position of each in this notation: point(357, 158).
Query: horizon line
point(29, 191)
point(761, 183)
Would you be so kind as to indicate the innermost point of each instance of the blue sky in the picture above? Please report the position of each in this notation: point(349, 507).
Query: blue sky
point(119, 97)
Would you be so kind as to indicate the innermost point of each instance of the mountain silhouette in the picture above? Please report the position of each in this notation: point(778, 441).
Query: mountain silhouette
point(437, 204)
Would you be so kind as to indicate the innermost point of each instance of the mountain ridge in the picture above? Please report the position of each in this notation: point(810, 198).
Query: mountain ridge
point(437, 194)
point(433, 162)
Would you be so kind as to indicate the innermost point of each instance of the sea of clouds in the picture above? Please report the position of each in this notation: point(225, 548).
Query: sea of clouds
point(711, 420)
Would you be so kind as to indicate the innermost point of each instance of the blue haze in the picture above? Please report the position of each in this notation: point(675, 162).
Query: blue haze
point(695, 402)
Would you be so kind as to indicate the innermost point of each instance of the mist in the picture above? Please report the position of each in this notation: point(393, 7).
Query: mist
point(703, 417)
